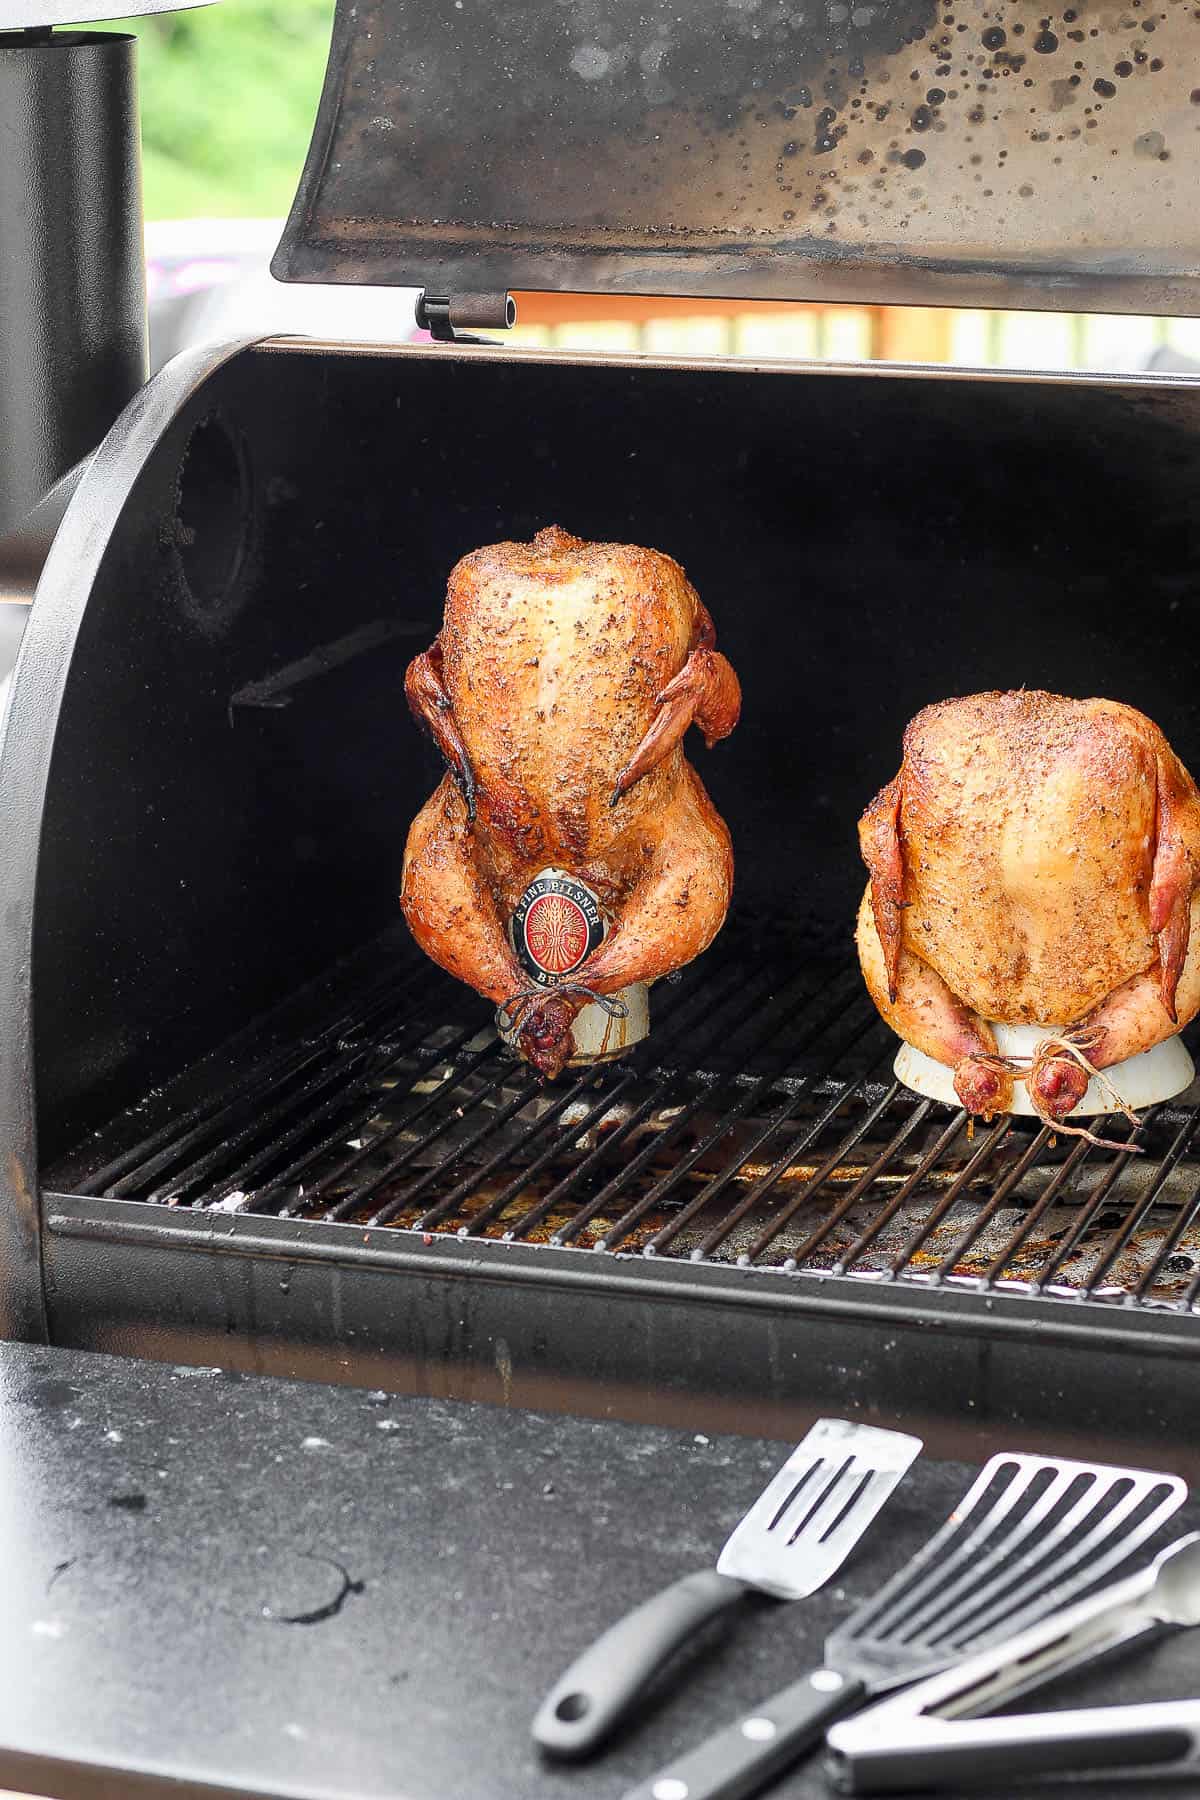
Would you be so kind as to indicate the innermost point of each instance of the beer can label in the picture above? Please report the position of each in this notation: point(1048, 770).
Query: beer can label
point(556, 926)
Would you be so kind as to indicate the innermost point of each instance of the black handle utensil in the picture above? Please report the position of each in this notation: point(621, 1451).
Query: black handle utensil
point(931, 1735)
point(792, 1541)
point(1031, 1534)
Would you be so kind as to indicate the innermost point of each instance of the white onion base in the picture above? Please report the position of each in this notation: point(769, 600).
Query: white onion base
point(1142, 1080)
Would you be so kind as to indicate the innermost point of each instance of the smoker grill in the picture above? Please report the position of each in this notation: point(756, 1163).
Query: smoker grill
point(248, 1124)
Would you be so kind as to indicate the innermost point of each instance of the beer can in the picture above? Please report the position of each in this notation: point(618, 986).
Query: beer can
point(556, 925)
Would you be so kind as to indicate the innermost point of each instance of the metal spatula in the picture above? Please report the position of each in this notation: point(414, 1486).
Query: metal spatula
point(929, 1737)
point(796, 1536)
point(1031, 1533)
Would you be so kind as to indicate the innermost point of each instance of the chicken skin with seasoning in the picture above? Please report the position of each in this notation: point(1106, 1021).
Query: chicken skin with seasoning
point(559, 690)
point(1034, 862)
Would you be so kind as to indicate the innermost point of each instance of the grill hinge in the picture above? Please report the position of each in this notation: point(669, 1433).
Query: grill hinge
point(451, 318)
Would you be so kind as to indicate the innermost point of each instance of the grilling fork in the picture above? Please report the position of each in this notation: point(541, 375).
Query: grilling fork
point(793, 1540)
point(1030, 1534)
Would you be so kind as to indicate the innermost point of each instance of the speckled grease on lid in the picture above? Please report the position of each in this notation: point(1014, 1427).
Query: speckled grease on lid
point(991, 131)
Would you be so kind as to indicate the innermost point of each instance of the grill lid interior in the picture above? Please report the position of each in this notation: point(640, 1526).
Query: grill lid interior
point(890, 150)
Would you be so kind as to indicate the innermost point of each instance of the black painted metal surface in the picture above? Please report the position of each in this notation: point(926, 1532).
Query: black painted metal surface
point(276, 1588)
point(81, 546)
point(980, 153)
point(72, 283)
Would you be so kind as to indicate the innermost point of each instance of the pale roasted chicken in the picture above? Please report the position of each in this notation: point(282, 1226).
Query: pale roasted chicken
point(558, 691)
point(1034, 862)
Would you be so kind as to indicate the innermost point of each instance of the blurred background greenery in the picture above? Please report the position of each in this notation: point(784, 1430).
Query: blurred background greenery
point(229, 94)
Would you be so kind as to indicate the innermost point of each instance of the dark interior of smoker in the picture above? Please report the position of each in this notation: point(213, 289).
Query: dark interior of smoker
point(236, 769)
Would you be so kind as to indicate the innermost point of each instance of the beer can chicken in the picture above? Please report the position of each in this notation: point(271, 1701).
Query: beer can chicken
point(1034, 862)
point(558, 691)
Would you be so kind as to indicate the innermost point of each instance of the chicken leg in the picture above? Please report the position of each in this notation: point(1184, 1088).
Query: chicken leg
point(920, 1008)
point(1129, 1021)
point(443, 887)
point(678, 902)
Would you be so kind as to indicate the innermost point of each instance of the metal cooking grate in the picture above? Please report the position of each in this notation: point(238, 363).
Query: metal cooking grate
point(759, 1124)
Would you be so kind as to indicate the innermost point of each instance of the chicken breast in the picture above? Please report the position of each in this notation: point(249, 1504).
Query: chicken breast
point(559, 690)
point(1034, 862)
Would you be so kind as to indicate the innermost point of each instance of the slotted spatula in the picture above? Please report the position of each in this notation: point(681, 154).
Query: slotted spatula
point(930, 1736)
point(795, 1537)
point(1030, 1534)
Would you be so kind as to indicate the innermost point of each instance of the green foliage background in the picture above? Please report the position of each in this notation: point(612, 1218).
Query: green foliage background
point(229, 94)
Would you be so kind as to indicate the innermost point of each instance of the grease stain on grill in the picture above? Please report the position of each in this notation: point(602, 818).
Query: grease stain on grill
point(319, 1615)
point(49, 1394)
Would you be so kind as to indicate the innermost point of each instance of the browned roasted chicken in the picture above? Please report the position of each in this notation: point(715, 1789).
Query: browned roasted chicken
point(558, 690)
point(1034, 862)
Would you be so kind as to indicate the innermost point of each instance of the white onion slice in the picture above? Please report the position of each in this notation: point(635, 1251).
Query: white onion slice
point(1155, 1075)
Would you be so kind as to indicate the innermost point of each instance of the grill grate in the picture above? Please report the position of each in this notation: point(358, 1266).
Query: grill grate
point(759, 1125)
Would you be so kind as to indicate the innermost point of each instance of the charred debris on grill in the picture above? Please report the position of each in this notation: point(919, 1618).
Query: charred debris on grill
point(759, 1127)
point(979, 136)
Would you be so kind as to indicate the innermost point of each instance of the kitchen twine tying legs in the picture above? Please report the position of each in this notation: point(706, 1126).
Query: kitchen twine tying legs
point(1068, 1046)
point(516, 1011)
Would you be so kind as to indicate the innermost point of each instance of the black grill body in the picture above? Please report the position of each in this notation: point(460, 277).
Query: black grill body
point(249, 1124)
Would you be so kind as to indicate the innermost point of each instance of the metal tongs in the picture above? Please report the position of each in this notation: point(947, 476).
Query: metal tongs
point(931, 1735)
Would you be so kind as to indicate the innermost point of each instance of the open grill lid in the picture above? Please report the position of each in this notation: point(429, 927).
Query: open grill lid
point(973, 152)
